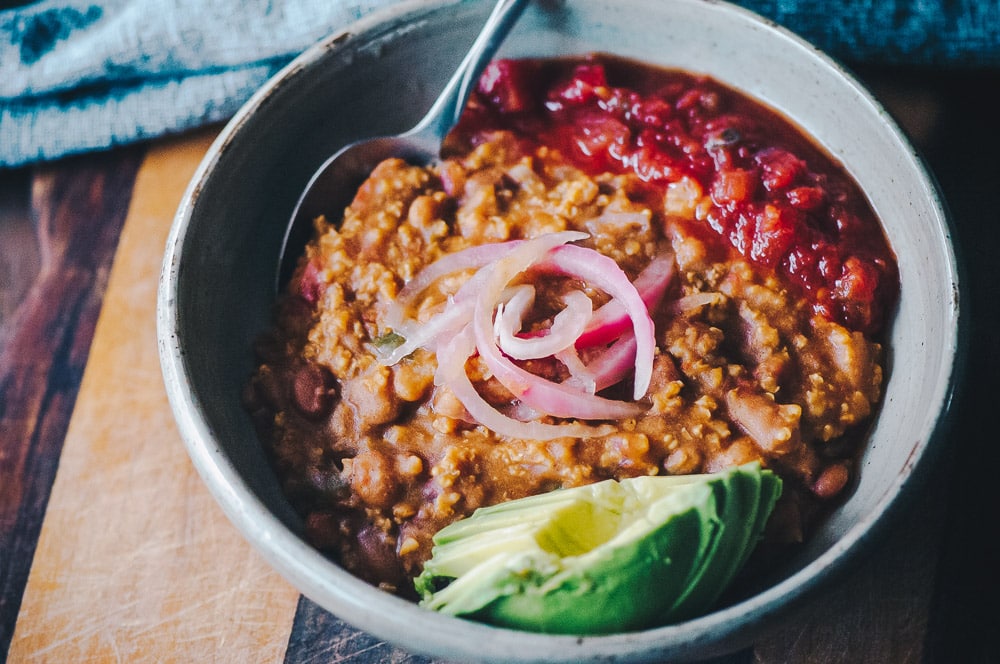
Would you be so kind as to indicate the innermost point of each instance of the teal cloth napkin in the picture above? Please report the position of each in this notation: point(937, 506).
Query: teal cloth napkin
point(79, 75)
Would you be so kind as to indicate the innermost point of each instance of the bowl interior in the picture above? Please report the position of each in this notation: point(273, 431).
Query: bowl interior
point(216, 291)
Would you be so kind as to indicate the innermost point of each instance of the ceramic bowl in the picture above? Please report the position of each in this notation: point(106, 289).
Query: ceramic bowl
point(379, 76)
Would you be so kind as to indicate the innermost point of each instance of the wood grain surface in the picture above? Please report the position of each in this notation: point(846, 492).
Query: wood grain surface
point(131, 560)
point(56, 286)
point(168, 577)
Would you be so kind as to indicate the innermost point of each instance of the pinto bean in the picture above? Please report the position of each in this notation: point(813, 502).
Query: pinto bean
point(372, 479)
point(371, 397)
point(774, 427)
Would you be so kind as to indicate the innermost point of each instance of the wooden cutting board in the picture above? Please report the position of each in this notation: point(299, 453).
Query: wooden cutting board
point(168, 577)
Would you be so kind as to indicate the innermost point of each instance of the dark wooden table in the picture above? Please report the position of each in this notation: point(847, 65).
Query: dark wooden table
point(927, 593)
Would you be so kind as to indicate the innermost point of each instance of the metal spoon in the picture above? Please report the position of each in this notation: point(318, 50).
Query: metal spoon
point(333, 185)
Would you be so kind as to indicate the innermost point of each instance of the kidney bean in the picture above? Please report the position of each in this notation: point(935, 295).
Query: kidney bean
point(313, 390)
point(323, 530)
point(831, 481)
point(379, 552)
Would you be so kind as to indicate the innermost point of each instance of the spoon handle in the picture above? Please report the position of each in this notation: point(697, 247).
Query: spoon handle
point(446, 110)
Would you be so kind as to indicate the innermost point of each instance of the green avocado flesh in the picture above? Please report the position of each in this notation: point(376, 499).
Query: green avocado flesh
point(603, 558)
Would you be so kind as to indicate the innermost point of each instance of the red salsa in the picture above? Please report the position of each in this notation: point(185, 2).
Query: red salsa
point(775, 197)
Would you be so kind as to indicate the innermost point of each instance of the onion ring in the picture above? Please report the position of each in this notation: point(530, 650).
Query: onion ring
point(604, 272)
point(452, 374)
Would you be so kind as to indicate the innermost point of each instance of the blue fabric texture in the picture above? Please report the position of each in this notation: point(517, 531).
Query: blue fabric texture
point(79, 75)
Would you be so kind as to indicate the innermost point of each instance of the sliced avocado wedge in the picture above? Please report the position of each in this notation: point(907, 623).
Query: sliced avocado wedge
point(770, 491)
point(607, 557)
point(622, 585)
point(737, 495)
point(565, 513)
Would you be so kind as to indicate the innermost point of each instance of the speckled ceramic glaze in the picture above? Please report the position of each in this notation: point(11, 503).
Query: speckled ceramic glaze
point(379, 76)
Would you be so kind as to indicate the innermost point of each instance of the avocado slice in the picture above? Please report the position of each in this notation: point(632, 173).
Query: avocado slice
point(623, 585)
point(606, 557)
point(737, 495)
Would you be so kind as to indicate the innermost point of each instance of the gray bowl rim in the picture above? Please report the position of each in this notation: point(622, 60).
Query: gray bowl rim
point(387, 616)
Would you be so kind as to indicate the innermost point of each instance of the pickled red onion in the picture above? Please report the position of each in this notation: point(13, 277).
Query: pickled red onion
point(452, 374)
point(459, 309)
point(613, 363)
point(468, 325)
point(598, 269)
point(444, 324)
point(566, 328)
point(610, 321)
point(556, 399)
point(470, 258)
point(580, 375)
point(541, 394)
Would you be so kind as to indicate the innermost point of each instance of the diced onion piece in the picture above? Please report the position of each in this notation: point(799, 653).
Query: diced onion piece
point(452, 374)
point(622, 219)
point(603, 272)
point(567, 325)
point(610, 321)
